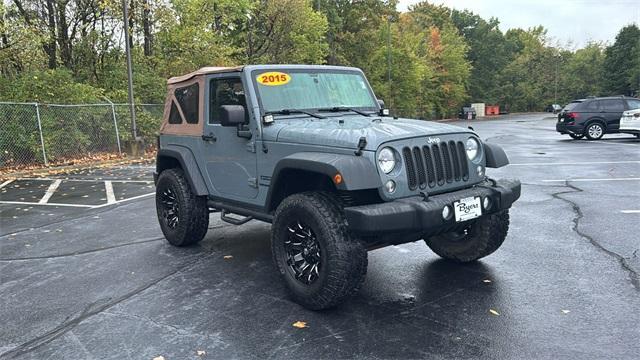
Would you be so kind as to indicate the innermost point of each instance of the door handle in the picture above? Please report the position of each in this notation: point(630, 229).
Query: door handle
point(210, 138)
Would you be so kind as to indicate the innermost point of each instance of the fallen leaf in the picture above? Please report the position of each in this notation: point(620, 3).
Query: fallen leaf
point(300, 324)
point(486, 281)
point(493, 312)
point(566, 311)
point(201, 352)
point(227, 257)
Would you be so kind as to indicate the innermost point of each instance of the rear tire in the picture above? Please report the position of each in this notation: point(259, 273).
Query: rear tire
point(183, 216)
point(594, 131)
point(319, 260)
point(481, 238)
point(576, 136)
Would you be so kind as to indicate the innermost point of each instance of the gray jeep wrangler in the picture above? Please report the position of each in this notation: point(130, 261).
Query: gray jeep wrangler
point(310, 150)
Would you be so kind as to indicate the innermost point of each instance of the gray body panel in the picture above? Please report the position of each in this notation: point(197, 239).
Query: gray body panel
point(243, 171)
point(345, 130)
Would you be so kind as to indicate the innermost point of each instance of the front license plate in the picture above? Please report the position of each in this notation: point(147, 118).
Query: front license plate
point(467, 208)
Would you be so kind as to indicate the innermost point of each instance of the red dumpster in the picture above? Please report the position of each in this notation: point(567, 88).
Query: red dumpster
point(492, 110)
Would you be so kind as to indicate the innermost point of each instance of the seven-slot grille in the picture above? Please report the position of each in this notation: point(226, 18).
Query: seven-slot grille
point(436, 164)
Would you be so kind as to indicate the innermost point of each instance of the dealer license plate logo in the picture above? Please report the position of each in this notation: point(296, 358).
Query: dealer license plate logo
point(467, 209)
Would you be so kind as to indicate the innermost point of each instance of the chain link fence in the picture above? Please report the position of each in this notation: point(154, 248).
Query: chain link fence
point(34, 134)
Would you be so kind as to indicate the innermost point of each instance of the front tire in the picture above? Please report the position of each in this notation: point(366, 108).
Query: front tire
point(319, 260)
point(183, 216)
point(594, 131)
point(479, 239)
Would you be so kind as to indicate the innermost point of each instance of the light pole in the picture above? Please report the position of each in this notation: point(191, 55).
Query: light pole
point(132, 109)
point(389, 18)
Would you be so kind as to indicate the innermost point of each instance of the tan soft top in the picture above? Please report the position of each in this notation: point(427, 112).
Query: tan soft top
point(203, 71)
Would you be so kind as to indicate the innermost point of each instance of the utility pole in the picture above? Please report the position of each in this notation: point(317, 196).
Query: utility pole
point(389, 18)
point(132, 109)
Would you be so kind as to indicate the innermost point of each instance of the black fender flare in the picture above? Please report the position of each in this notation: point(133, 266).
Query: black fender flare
point(189, 166)
point(495, 155)
point(358, 173)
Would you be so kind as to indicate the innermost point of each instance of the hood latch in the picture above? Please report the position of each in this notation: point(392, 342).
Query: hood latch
point(362, 143)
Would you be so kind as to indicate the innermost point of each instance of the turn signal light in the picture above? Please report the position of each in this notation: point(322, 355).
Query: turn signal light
point(337, 179)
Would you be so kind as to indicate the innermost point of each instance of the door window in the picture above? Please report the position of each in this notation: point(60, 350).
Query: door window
point(228, 91)
point(612, 105)
point(593, 106)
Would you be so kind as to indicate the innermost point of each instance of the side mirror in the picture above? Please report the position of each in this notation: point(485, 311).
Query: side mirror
point(231, 115)
point(383, 111)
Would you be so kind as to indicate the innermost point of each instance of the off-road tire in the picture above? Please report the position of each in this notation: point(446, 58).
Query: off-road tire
point(594, 135)
point(576, 136)
point(483, 237)
point(194, 214)
point(343, 257)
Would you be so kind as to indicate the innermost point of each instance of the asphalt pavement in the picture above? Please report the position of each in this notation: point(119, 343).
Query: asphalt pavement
point(86, 274)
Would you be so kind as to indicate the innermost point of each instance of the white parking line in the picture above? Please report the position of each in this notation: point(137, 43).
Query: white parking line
point(88, 180)
point(124, 200)
point(46, 204)
point(6, 183)
point(52, 188)
point(606, 179)
point(576, 163)
point(77, 205)
point(630, 211)
point(108, 187)
point(615, 143)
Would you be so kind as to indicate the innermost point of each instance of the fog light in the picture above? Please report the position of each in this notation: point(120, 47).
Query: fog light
point(486, 203)
point(446, 212)
point(390, 186)
point(480, 171)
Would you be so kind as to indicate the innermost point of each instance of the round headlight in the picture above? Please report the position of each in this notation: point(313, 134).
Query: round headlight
point(386, 160)
point(473, 149)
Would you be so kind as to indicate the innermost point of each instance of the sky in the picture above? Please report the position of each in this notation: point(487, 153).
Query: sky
point(572, 23)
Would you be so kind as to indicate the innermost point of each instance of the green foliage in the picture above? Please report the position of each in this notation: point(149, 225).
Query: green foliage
point(622, 62)
point(440, 58)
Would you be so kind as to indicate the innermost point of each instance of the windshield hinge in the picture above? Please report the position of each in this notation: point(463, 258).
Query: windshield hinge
point(251, 146)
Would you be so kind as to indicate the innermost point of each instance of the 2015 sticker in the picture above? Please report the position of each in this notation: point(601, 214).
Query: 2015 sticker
point(273, 78)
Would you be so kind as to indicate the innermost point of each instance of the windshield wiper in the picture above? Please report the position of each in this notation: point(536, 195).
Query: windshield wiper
point(343, 108)
point(295, 111)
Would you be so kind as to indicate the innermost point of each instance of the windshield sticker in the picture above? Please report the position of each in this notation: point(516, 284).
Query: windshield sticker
point(273, 78)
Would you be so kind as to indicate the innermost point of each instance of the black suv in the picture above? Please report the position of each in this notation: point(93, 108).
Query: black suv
point(594, 117)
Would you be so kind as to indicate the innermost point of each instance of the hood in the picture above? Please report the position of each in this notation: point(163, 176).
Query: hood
point(345, 131)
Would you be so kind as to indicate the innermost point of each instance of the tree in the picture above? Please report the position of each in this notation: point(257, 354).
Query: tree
point(285, 31)
point(622, 62)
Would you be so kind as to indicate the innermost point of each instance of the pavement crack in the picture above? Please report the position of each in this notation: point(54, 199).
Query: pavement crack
point(71, 322)
point(634, 277)
point(81, 252)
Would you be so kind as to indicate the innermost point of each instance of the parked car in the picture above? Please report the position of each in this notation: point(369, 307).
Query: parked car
point(630, 122)
point(594, 117)
point(553, 108)
point(310, 150)
point(466, 112)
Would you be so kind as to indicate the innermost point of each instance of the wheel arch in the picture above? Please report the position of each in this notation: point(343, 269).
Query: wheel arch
point(600, 120)
point(181, 157)
point(312, 171)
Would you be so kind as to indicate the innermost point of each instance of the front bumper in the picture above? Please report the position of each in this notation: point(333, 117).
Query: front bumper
point(417, 215)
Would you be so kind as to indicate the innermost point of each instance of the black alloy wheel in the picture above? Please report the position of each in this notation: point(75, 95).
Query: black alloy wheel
point(170, 208)
point(303, 253)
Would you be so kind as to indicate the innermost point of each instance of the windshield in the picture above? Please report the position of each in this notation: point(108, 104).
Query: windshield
point(312, 90)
